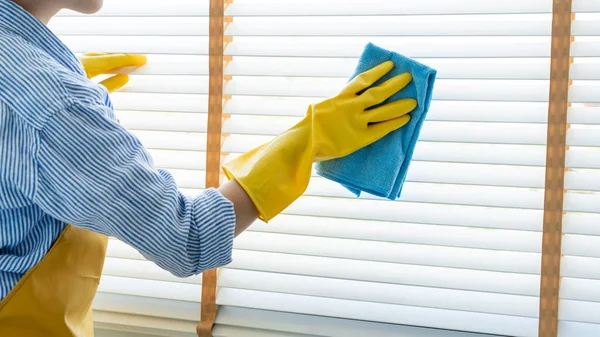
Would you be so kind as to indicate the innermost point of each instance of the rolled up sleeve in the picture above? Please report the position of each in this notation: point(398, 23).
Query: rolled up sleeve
point(94, 174)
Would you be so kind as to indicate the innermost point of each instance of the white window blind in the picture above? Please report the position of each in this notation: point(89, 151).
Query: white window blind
point(579, 310)
point(460, 251)
point(165, 105)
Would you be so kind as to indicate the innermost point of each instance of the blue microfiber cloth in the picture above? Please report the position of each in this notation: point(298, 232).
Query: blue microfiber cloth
point(380, 168)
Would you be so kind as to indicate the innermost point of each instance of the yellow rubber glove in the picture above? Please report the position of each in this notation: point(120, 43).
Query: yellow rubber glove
point(275, 174)
point(102, 63)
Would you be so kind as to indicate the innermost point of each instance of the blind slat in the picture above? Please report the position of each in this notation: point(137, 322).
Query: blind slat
point(581, 223)
point(583, 137)
point(329, 8)
point(418, 47)
point(505, 218)
point(584, 93)
point(172, 140)
point(228, 331)
point(385, 231)
point(581, 245)
point(381, 293)
point(583, 180)
point(153, 307)
point(185, 45)
point(151, 8)
point(424, 276)
point(150, 289)
point(128, 26)
point(585, 115)
point(585, 49)
point(171, 65)
point(343, 67)
point(326, 326)
point(584, 6)
point(189, 178)
point(583, 158)
point(162, 121)
point(309, 26)
point(582, 311)
point(167, 84)
point(443, 194)
point(482, 154)
point(459, 320)
point(121, 250)
point(580, 289)
point(585, 28)
point(435, 256)
point(389, 26)
point(106, 324)
point(160, 102)
point(382, 7)
point(582, 202)
point(577, 329)
point(585, 71)
point(187, 160)
point(580, 267)
point(145, 270)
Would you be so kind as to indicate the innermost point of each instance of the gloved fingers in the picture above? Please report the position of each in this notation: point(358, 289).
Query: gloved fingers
point(128, 60)
point(390, 111)
point(98, 63)
point(379, 130)
point(367, 78)
point(89, 54)
point(115, 83)
point(380, 93)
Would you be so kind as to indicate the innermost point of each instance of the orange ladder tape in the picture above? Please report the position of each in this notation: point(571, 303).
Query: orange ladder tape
point(216, 50)
point(555, 167)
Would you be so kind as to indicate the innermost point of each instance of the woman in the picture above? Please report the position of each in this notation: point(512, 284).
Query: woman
point(70, 175)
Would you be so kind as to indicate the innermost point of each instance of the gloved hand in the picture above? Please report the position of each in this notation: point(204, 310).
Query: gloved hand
point(96, 64)
point(275, 174)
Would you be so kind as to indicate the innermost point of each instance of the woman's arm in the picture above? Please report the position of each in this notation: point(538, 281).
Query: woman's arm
point(245, 211)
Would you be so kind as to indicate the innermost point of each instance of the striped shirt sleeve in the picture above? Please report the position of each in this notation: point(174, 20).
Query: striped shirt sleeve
point(94, 174)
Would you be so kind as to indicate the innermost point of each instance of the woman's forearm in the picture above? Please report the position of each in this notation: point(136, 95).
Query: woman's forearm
point(245, 211)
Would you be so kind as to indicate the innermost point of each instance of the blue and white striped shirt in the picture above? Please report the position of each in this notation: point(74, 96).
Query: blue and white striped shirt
point(65, 159)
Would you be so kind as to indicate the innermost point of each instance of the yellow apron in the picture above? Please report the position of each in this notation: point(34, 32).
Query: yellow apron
point(54, 298)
